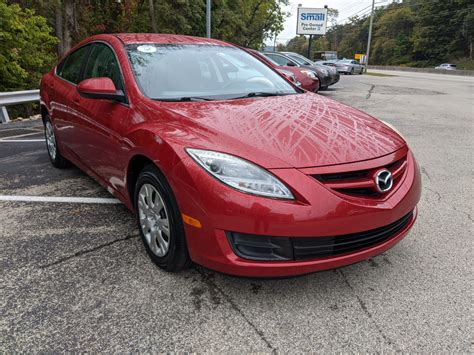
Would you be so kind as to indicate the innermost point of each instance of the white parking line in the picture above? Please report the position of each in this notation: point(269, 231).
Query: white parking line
point(57, 199)
point(20, 140)
point(23, 135)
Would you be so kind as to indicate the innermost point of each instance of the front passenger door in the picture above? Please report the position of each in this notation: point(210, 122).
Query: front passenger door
point(103, 121)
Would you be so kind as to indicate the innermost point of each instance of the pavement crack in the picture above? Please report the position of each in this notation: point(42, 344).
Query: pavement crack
point(370, 91)
point(86, 251)
point(207, 279)
point(424, 172)
point(438, 195)
point(453, 207)
point(463, 212)
point(364, 308)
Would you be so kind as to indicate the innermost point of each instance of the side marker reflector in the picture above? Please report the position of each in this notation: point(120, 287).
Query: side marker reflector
point(191, 221)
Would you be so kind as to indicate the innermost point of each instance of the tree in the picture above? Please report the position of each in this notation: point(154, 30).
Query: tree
point(298, 44)
point(392, 32)
point(438, 34)
point(26, 47)
point(248, 22)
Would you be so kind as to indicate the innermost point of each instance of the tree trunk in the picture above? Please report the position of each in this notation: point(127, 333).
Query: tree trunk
point(68, 24)
point(151, 8)
point(58, 11)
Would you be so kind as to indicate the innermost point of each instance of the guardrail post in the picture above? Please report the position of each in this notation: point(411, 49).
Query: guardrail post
point(4, 118)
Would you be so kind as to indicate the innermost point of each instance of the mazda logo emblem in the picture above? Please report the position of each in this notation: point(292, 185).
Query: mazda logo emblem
point(383, 180)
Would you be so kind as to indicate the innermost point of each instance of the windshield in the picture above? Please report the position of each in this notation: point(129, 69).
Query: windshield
point(208, 72)
point(300, 59)
point(297, 59)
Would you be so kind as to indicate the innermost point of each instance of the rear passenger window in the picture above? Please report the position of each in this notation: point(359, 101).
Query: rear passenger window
point(102, 63)
point(70, 68)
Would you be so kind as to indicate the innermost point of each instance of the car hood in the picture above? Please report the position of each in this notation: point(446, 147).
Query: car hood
point(304, 130)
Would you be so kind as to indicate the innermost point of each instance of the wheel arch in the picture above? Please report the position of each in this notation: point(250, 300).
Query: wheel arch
point(44, 112)
point(136, 164)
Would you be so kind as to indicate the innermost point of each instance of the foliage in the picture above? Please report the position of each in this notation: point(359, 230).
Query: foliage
point(26, 47)
point(410, 32)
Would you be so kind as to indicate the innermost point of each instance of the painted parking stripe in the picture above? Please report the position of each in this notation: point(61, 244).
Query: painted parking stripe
point(20, 140)
point(23, 135)
point(58, 199)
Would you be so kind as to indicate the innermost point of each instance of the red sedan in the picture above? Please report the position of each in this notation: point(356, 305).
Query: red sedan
point(308, 79)
point(224, 162)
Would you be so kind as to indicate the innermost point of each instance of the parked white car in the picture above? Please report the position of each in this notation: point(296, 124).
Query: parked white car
point(349, 66)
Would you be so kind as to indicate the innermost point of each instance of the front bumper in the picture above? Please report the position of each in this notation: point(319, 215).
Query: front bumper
point(335, 77)
point(326, 80)
point(318, 211)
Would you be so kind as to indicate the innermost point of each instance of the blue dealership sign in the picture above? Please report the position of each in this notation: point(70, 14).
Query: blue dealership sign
point(311, 21)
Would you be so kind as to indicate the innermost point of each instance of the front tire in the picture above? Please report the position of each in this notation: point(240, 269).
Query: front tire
point(54, 154)
point(159, 221)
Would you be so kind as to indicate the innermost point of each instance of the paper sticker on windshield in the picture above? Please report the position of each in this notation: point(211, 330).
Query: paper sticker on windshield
point(146, 49)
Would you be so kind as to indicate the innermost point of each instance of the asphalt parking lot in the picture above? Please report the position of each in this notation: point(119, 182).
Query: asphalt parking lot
point(75, 276)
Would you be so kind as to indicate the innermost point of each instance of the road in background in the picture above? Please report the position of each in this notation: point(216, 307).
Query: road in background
point(75, 277)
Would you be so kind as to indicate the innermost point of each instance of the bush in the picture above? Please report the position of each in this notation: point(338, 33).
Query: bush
point(27, 48)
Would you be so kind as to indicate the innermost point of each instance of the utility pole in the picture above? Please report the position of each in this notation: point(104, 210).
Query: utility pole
point(370, 36)
point(309, 46)
point(208, 18)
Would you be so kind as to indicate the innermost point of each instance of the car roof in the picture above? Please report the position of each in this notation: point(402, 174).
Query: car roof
point(133, 38)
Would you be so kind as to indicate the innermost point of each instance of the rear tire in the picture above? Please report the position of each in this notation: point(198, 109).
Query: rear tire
point(352, 71)
point(159, 221)
point(54, 154)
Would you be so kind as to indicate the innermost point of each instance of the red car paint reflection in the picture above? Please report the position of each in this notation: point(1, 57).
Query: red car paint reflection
point(267, 184)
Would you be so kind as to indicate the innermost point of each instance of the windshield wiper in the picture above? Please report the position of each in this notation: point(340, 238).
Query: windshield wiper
point(185, 98)
point(261, 94)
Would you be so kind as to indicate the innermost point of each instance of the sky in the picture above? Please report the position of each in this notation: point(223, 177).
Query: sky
point(346, 8)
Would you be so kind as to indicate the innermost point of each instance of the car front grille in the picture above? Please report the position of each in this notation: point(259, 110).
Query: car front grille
point(258, 247)
point(361, 183)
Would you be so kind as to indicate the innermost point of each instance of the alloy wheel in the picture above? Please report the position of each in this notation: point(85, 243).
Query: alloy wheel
point(154, 219)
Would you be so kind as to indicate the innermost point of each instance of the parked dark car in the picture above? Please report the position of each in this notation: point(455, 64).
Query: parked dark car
point(306, 78)
point(323, 74)
point(308, 63)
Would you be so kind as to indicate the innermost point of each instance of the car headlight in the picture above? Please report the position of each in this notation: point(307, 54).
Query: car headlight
point(324, 71)
point(240, 174)
point(309, 74)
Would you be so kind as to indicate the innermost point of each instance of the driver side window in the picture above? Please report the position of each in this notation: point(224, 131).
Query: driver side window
point(103, 63)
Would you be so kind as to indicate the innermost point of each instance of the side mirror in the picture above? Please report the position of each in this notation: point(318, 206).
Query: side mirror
point(291, 64)
point(100, 88)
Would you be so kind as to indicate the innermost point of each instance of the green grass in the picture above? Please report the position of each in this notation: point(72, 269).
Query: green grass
point(465, 64)
point(378, 74)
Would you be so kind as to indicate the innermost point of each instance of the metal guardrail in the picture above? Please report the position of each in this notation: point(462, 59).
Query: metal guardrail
point(15, 98)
